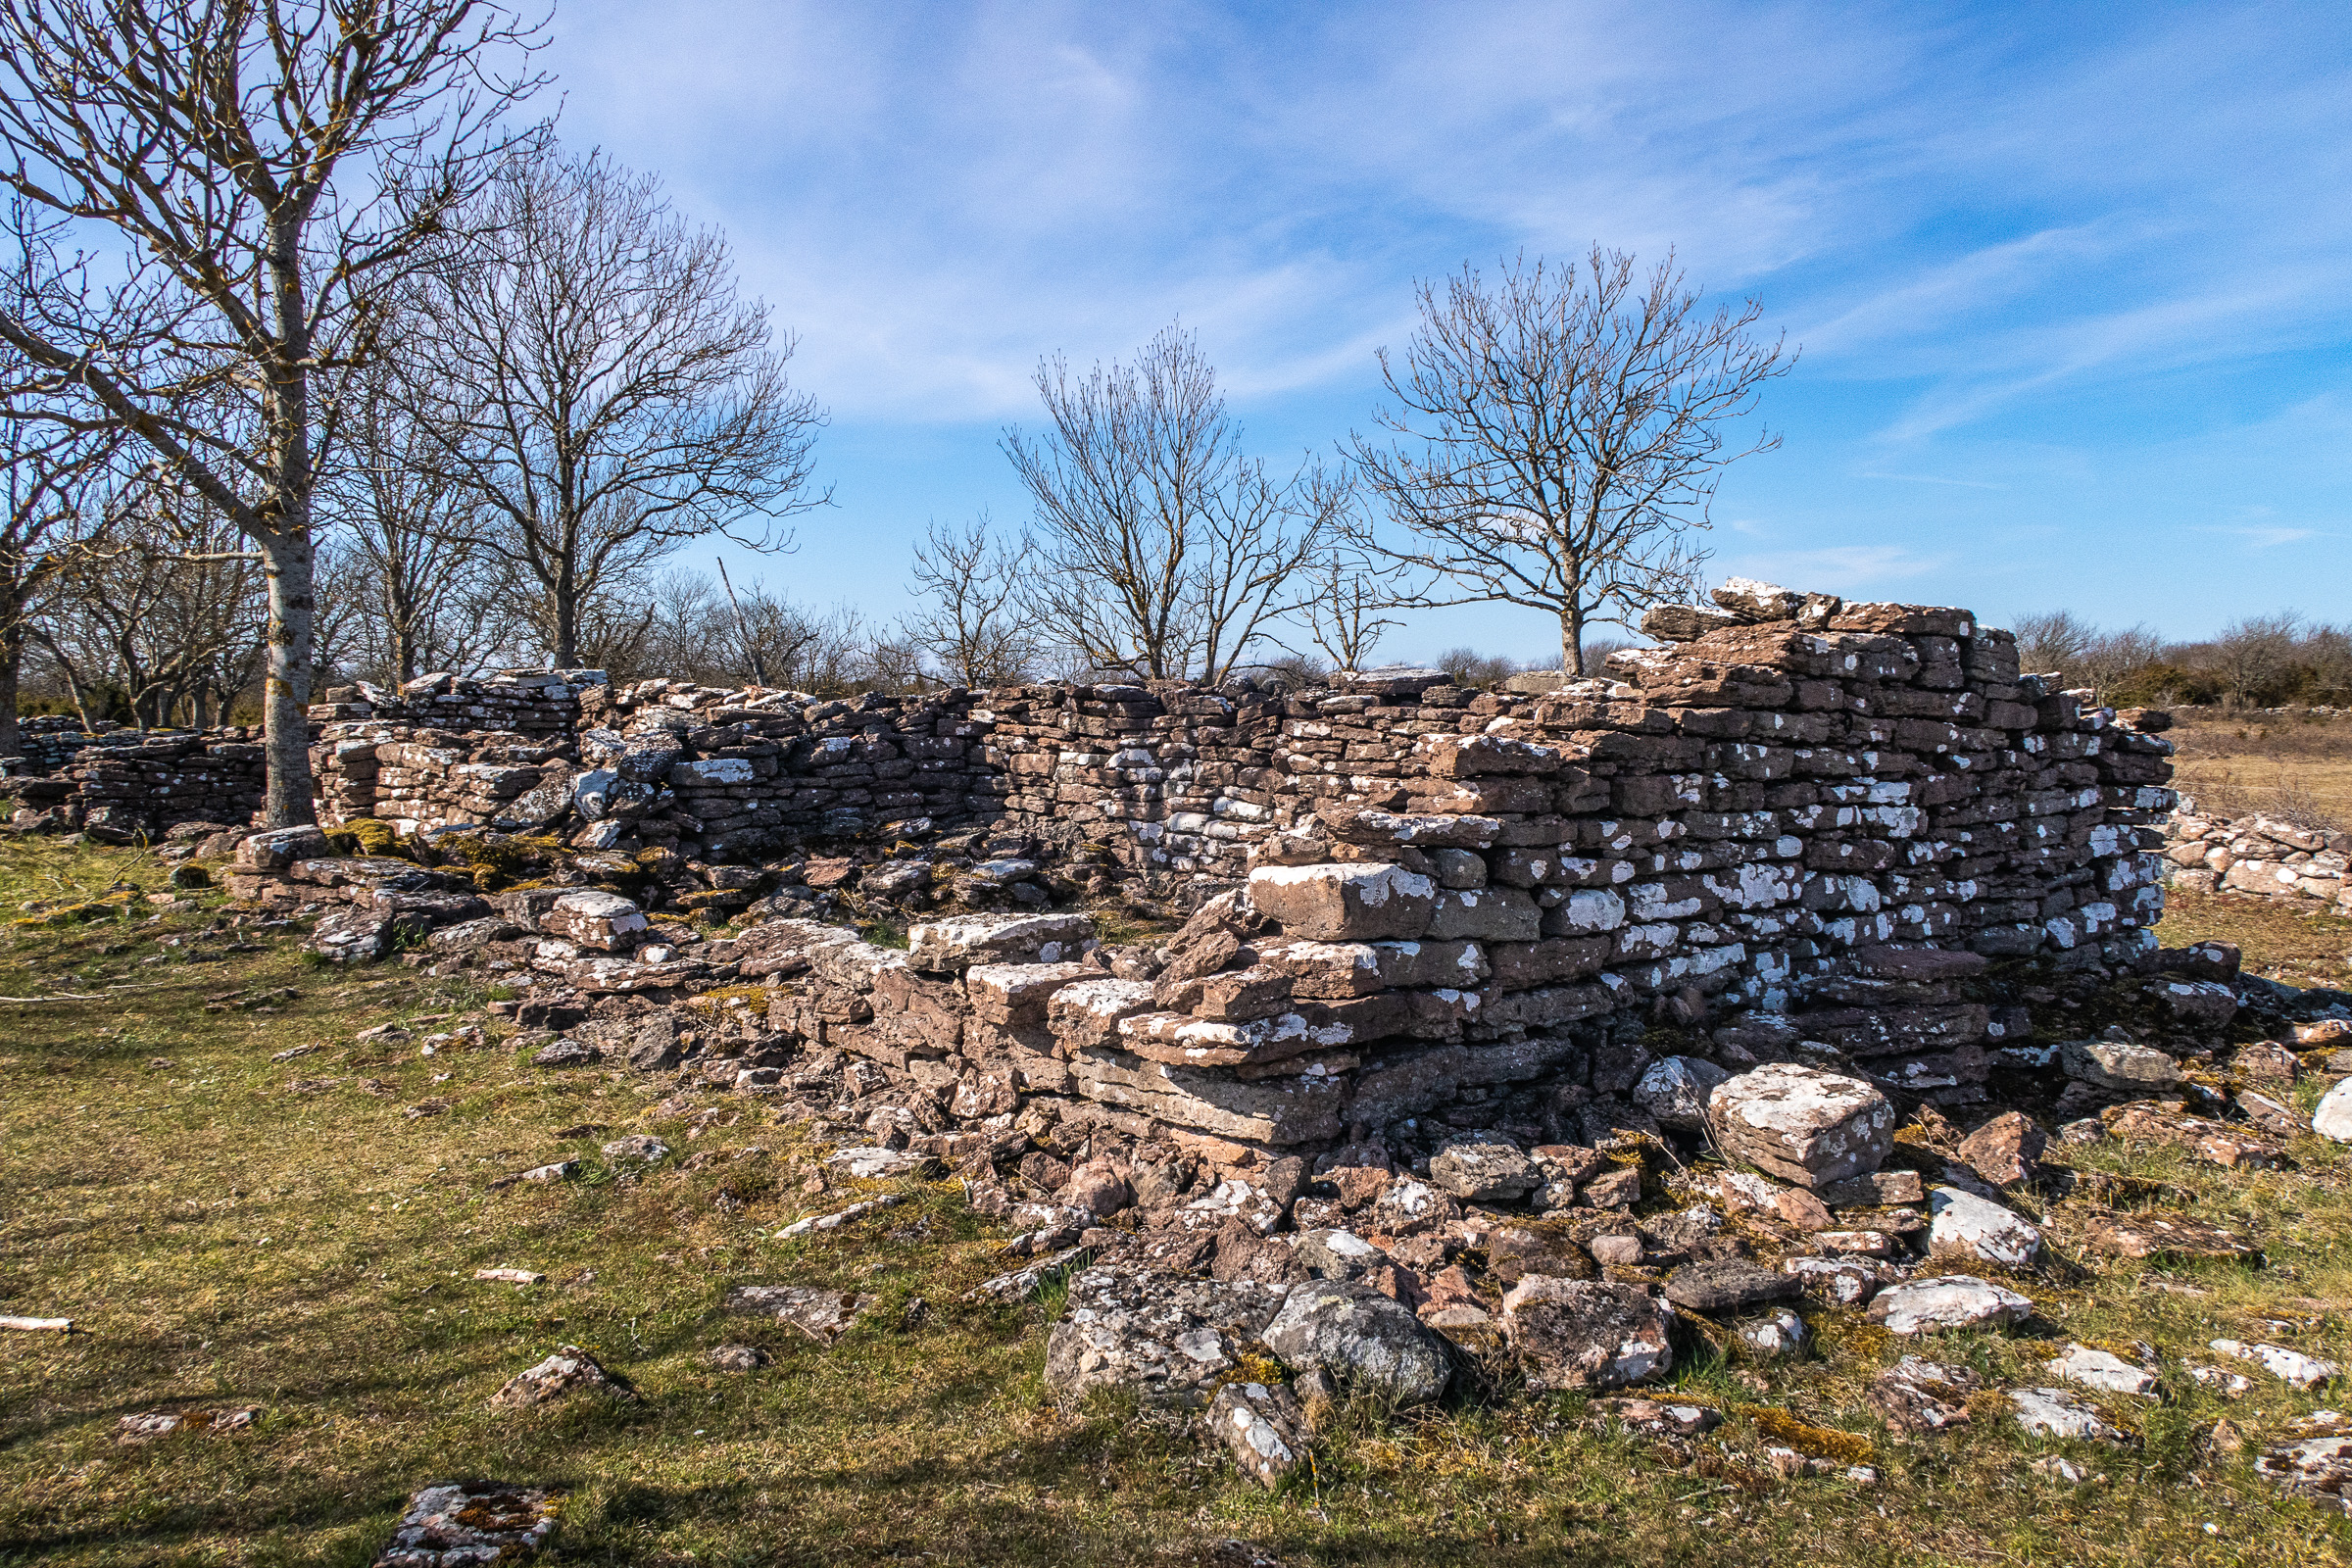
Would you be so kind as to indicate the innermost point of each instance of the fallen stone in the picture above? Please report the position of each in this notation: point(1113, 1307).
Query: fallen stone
point(1168, 1338)
point(2288, 1366)
point(2223, 1382)
point(2112, 1064)
point(957, 944)
point(638, 1148)
point(1948, 1301)
point(2097, 1369)
point(871, 1162)
point(570, 1371)
point(2056, 1413)
point(839, 1217)
point(2006, 1149)
point(1878, 1190)
point(823, 1315)
point(2197, 1004)
point(1800, 1209)
point(1017, 1284)
point(1966, 1226)
point(509, 1276)
point(738, 1358)
point(1360, 1337)
point(1774, 1337)
point(2228, 1145)
point(566, 1054)
point(1483, 1167)
point(1917, 1396)
point(466, 1524)
point(2156, 1235)
point(39, 1325)
point(2266, 1061)
point(133, 1430)
point(2331, 1117)
point(1579, 1336)
point(1264, 1428)
point(1675, 1091)
point(1656, 1418)
point(604, 921)
point(1801, 1124)
point(2318, 1468)
point(1728, 1286)
point(1839, 1281)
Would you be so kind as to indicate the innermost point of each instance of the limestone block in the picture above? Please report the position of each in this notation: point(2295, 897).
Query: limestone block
point(1801, 1124)
point(1343, 902)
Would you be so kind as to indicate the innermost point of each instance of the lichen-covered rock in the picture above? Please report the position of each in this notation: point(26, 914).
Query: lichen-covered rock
point(1802, 1124)
point(1916, 1395)
point(604, 921)
point(1948, 1302)
point(464, 1524)
point(2117, 1065)
point(2006, 1149)
point(570, 1371)
point(1579, 1336)
point(1967, 1226)
point(2331, 1117)
point(1360, 1337)
point(1170, 1340)
point(823, 1315)
point(956, 944)
point(2100, 1369)
point(1484, 1168)
point(1676, 1090)
point(1728, 1285)
point(1345, 902)
point(1264, 1428)
point(2056, 1413)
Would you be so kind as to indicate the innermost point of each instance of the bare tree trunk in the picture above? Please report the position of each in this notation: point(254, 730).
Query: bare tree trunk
point(286, 563)
point(12, 662)
point(567, 622)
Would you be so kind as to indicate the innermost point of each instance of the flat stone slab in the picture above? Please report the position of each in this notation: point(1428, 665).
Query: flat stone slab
point(2160, 1235)
point(823, 1315)
point(2098, 1369)
point(1948, 1302)
point(1728, 1287)
point(2056, 1413)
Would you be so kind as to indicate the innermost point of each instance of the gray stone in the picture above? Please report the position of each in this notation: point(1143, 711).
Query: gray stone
point(2112, 1064)
point(1728, 1286)
point(1775, 1337)
point(2097, 1369)
point(1264, 1428)
point(738, 1358)
point(1675, 1091)
point(1801, 1124)
point(466, 1524)
point(1360, 1337)
point(2056, 1413)
point(1920, 1395)
point(1948, 1302)
point(1967, 1226)
point(566, 1054)
point(1483, 1167)
point(1577, 1335)
point(2332, 1118)
point(570, 1371)
point(823, 1315)
point(1169, 1339)
point(640, 1148)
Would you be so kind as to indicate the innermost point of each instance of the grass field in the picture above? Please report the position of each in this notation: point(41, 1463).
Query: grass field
point(222, 1237)
point(2296, 765)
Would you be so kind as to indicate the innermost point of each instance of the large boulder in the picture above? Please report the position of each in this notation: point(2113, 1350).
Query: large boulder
point(1171, 1340)
point(1801, 1124)
point(1360, 1337)
point(1584, 1336)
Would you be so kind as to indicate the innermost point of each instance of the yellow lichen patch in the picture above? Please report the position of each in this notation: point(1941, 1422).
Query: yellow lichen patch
point(754, 997)
point(1828, 1442)
point(1253, 1367)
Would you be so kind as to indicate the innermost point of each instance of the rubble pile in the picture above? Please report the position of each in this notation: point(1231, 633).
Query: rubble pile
point(2257, 854)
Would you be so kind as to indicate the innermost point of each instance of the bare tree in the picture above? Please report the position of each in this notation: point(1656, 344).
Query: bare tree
point(1558, 435)
point(2053, 642)
point(1347, 603)
point(2252, 655)
point(51, 473)
point(592, 378)
point(160, 609)
point(419, 589)
point(270, 166)
point(979, 626)
point(1162, 551)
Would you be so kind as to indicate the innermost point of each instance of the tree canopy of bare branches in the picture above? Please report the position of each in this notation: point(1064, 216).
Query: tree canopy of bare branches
point(1557, 435)
point(1162, 550)
point(593, 380)
point(977, 625)
point(270, 165)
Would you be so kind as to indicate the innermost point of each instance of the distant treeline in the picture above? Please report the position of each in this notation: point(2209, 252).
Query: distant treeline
point(2279, 660)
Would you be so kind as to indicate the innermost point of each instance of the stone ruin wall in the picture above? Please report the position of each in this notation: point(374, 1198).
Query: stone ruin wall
point(2258, 854)
point(1805, 825)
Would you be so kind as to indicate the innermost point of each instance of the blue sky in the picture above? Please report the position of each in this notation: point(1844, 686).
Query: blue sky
point(2073, 283)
